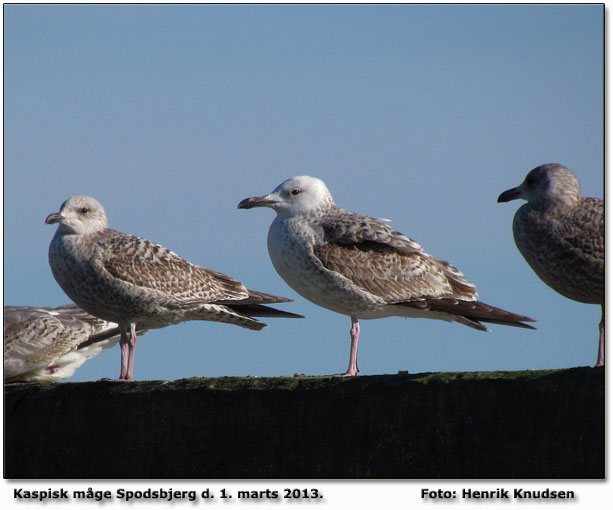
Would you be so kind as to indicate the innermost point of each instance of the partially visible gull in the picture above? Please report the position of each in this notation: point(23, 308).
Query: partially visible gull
point(561, 235)
point(359, 266)
point(49, 344)
point(139, 284)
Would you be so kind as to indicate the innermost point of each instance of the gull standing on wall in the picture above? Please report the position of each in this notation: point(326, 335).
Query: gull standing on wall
point(139, 284)
point(561, 235)
point(359, 266)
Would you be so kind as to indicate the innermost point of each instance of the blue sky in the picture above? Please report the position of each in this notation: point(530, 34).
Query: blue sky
point(170, 115)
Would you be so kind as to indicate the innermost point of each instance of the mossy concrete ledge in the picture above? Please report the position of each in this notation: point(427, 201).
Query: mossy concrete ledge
point(527, 424)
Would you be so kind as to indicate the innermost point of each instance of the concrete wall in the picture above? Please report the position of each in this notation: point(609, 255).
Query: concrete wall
point(528, 424)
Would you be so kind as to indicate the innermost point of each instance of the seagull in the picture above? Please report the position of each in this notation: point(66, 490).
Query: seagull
point(561, 236)
point(359, 266)
point(49, 344)
point(136, 283)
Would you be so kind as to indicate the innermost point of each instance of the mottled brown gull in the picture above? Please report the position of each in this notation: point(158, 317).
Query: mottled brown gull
point(48, 344)
point(359, 266)
point(139, 284)
point(561, 235)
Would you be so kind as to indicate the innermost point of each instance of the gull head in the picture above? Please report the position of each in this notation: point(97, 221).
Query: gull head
point(302, 195)
point(79, 215)
point(546, 184)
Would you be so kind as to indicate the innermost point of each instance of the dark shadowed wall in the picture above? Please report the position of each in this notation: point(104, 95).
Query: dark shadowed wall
point(528, 424)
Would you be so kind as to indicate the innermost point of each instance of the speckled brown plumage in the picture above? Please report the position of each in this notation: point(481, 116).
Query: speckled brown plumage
point(393, 274)
point(567, 250)
point(49, 344)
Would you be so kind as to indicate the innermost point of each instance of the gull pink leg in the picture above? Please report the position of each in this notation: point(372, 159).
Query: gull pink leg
point(127, 342)
point(132, 346)
point(125, 347)
point(353, 354)
point(600, 361)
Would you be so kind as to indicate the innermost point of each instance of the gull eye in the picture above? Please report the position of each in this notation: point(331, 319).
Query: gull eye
point(84, 210)
point(531, 180)
point(295, 192)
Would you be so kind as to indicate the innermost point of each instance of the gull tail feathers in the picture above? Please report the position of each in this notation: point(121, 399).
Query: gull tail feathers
point(255, 310)
point(471, 313)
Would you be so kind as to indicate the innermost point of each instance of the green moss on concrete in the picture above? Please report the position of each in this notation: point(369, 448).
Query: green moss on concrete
point(524, 424)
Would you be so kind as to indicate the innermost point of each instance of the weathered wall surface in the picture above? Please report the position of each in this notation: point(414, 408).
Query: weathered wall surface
point(528, 424)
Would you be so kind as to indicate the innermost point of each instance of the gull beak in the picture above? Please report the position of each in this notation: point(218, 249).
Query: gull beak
point(511, 194)
point(54, 218)
point(263, 201)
